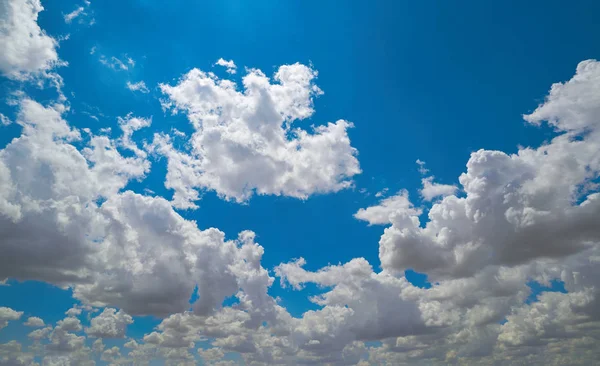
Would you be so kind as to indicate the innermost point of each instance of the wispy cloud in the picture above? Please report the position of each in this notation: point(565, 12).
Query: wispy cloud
point(74, 14)
point(139, 86)
point(115, 63)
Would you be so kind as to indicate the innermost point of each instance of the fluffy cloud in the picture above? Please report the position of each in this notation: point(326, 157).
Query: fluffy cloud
point(11, 354)
point(49, 216)
point(65, 218)
point(34, 321)
point(230, 65)
point(244, 141)
point(432, 189)
point(109, 324)
point(388, 209)
point(537, 203)
point(130, 251)
point(26, 49)
point(8, 314)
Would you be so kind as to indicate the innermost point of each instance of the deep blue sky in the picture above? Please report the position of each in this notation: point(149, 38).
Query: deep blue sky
point(420, 80)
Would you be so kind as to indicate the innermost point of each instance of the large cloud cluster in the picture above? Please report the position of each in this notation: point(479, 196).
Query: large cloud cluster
point(64, 220)
point(244, 142)
point(521, 218)
point(67, 218)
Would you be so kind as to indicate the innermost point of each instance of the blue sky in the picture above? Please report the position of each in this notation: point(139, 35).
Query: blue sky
point(428, 81)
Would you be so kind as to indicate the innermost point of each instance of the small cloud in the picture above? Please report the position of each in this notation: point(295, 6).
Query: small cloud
point(130, 61)
point(5, 121)
point(80, 13)
point(383, 213)
point(178, 133)
point(432, 190)
point(422, 168)
point(63, 38)
point(114, 63)
point(230, 65)
point(93, 50)
point(139, 86)
point(74, 14)
point(382, 192)
point(34, 321)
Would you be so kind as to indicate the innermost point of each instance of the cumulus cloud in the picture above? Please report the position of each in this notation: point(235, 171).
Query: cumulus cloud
point(432, 189)
point(230, 65)
point(131, 251)
point(8, 314)
point(27, 50)
point(526, 217)
point(244, 142)
point(11, 353)
point(518, 207)
point(139, 86)
point(396, 207)
point(34, 321)
point(422, 168)
point(109, 324)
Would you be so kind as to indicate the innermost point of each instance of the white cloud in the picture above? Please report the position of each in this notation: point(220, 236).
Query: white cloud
point(5, 121)
point(517, 207)
point(129, 124)
point(422, 168)
point(111, 354)
point(244, 142)
point(230, 65)
point(122, 253)
point(27, 51)
point(34, 321)
point(109, 324)
point(114, 63)
point(574, 105)
point(74, 312)
point(524, 217)
point(382, 193)
point(98, 346)
point(11, 354)
point(139, 86)
point(40, 334)
point(74, 14)
point(432, 189)
point(8, 314)
point(397, 207)
point(82, 13)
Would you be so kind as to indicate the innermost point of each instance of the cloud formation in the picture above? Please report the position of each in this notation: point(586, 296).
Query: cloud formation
point(67, 218)
point(244, 142)
point(27, 51)
point(139, 86)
